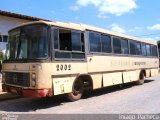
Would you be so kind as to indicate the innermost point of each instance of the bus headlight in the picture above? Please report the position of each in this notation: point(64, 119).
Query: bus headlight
point(33, 80)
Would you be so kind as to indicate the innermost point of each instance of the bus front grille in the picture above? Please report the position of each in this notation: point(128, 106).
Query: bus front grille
point(15, 78)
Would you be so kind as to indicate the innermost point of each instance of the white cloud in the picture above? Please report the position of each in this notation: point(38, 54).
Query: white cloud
point(117, 28)
point(102, 16)
point(135, 29)
point(74, 8)
point(154, 27)
point(84, 3)
point(116, 7)
point(89, 2)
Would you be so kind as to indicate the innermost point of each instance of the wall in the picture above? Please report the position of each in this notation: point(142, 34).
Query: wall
point(7, 23)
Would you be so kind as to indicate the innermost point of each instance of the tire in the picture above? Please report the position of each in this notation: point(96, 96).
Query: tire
point(77, 91)
point(141, 79)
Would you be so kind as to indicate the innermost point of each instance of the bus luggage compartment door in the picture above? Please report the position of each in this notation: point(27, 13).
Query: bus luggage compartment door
point(62, 85)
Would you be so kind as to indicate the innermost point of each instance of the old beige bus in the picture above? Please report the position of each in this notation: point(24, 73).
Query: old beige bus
point(51, 58)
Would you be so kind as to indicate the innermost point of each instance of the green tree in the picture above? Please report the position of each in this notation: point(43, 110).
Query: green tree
point(2, 56)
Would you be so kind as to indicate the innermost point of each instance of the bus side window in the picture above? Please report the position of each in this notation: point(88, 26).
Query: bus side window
point(154, 51)
point(124, 45)
point(65, 40)
point(148, 47)
point(116, 45)
point(106, 44)
point(76, 41)
point(82, 42)
point(138, 48)
point(144, 52)
point(68, 44)
point(56, 38)
point(132, 47)
point(0, 38)
point(95, 43)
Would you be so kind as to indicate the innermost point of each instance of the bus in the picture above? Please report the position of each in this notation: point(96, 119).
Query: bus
point(46, 59)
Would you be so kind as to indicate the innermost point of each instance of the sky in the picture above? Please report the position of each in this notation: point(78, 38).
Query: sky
point(140, 18)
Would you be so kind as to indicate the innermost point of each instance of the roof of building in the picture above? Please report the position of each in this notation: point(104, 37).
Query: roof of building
point(20, 16)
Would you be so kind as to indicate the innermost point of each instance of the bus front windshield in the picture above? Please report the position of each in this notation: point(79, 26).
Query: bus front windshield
point(28, 42)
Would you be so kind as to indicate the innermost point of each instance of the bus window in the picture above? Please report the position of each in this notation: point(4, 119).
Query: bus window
point(56, 41)
point(69, 44)
point(60, 54)
point(106, 44)
point(37, 42)
point(5, 38)
point(117, 45)
point(124, 44)
point(135, 48)
point(65, 40)
point(143, 47)
point(132, 47)
point(148, 47)
point(13, 43)
point(95, 44)
point(82, 42)
point(76, 41)
point(0, 38)
point(154, 50)
point(22, 52)
point(138, 48)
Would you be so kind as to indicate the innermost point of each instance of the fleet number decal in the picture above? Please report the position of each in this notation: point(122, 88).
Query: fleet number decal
point(63, 67)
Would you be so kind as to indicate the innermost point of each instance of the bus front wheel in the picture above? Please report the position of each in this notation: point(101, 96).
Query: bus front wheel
point(77, 91)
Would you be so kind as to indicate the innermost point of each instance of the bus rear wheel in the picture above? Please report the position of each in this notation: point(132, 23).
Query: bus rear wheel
point(77, 91)
point(141, 79)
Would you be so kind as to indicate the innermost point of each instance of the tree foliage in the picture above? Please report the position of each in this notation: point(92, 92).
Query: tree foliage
point(2, 56)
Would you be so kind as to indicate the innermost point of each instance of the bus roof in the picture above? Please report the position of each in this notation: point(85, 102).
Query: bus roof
point(83, 27)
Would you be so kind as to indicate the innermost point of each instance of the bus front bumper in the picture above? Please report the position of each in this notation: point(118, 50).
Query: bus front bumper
point(27, 92)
